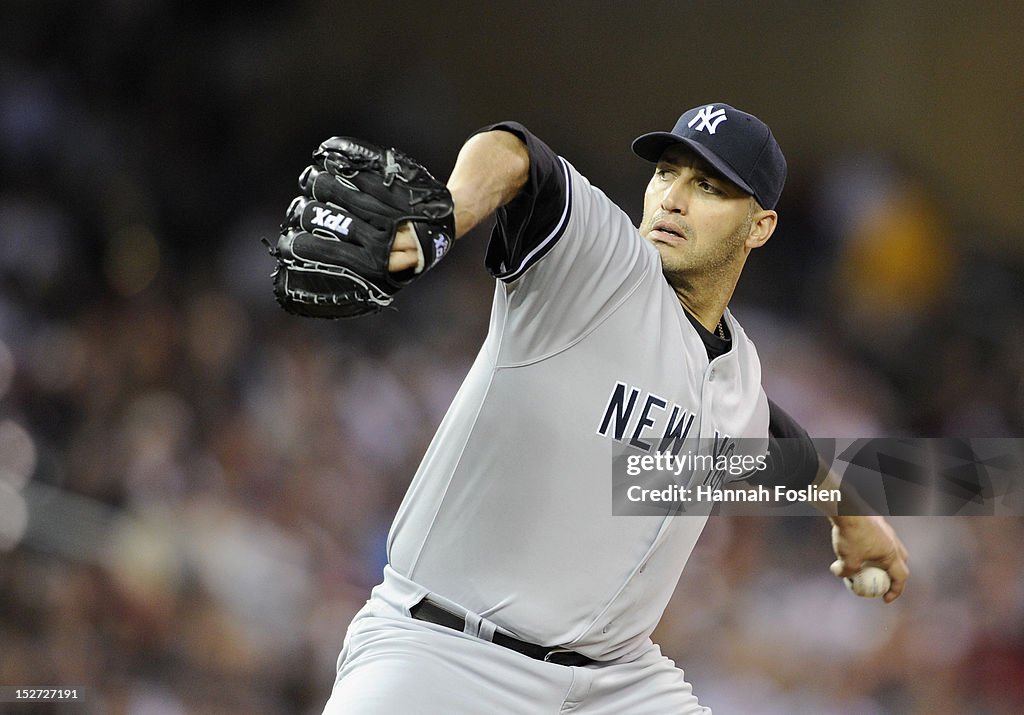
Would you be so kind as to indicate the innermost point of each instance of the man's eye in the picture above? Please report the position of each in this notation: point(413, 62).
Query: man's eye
point(708, 188)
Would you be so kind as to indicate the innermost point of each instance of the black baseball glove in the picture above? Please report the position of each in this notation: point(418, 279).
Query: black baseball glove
point(332, 253)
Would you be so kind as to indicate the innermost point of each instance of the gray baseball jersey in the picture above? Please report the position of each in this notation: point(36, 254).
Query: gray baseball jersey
point(509, 514)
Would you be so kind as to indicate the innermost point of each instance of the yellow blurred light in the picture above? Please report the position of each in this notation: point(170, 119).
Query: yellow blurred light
point(132, 260)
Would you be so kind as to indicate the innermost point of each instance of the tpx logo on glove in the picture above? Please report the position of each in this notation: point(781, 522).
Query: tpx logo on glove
point(331, 220)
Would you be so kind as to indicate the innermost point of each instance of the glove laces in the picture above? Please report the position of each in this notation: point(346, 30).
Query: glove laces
point(391, 168)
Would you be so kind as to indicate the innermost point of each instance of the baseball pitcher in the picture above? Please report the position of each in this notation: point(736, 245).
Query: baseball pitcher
point(510, 586)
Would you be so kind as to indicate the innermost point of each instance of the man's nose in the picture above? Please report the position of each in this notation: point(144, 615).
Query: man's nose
point(676, 198)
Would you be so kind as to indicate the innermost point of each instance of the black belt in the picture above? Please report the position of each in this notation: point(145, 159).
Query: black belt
point(427, 610)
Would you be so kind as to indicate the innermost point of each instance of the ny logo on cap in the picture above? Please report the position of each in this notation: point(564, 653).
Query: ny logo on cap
point(709, 119)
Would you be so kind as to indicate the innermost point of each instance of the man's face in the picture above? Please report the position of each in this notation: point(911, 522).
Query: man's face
point(696, 219)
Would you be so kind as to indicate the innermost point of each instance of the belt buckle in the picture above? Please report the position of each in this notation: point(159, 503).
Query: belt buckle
point(555, 651)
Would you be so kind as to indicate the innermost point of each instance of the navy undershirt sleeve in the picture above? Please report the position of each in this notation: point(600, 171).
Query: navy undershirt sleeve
point(792, 457)
point(530, 225)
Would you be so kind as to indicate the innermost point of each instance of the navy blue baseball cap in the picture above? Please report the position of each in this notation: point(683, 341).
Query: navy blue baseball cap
point(738, 145)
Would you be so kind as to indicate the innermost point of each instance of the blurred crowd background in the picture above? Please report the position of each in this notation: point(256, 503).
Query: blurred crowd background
point(195, 487)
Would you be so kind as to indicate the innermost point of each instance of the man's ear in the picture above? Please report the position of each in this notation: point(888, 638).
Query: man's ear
point(762, 226)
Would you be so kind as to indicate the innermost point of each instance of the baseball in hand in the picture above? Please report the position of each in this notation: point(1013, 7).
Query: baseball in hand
point(869, 582)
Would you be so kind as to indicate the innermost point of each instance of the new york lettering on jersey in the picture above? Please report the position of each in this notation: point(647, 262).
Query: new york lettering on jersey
point(648, 423)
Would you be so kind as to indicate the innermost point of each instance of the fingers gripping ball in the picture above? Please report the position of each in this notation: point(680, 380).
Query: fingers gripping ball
point(869, 582)
point(333, 249)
